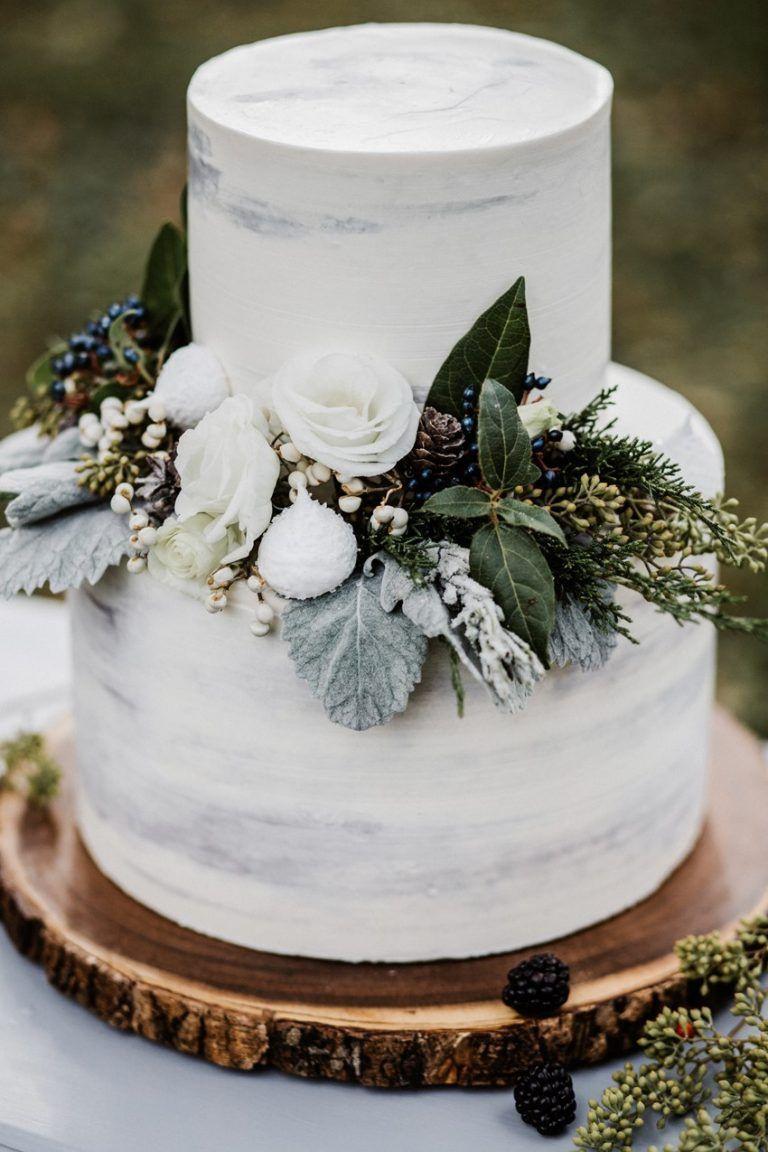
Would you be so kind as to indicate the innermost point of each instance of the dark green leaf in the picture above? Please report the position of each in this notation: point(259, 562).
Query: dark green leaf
point(461, 502)
point(509, 563)
point(520, 515)
point(496, 346)
point(504, 444)
point(40, 374)
point(162, 292)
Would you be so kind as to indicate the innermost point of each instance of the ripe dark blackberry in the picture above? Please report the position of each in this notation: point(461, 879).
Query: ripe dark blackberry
point(545, 1099)
point(537, 986)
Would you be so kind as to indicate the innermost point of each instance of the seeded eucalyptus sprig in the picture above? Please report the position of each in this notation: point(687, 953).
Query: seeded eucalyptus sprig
point(28, 767)
point(717, 1081)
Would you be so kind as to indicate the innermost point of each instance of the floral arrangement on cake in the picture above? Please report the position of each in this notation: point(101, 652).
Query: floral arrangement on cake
point(490, 521)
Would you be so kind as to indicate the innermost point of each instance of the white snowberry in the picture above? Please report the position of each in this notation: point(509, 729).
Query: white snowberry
point(307, 550)
point(349, 504)
point(259, 628)
point(191, 384)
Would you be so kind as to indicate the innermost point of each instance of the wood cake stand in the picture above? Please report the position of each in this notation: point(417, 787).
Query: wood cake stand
point(406, 1025)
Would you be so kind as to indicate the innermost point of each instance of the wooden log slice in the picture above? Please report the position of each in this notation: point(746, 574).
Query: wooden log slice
point(405, 1025)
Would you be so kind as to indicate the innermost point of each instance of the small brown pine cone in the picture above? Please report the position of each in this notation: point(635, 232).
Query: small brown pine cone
point(440, 443)
point(160, 486)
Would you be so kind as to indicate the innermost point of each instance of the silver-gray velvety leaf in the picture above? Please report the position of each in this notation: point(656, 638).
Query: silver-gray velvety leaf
point(62, 552)
point(423, 605)
point(575, 639)
point(22, 449)
point(65, 446)
point(43, 491)
point(361, 662)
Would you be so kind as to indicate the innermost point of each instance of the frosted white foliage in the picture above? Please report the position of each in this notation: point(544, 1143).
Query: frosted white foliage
point(42, 491)
point(307, 550)
point(191, 384)
point(22, 449)
point(508, 665)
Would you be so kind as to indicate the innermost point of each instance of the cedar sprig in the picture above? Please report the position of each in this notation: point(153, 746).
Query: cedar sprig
point(28, 767)
point(685, 1053)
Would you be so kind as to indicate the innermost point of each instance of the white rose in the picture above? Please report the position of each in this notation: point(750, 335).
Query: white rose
point(228, 470)
point(191, 383)
point(351, 412)
point(539, 417)
point(184, 558)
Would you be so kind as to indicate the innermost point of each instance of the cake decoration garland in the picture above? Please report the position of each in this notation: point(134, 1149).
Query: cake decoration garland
point(489, 520)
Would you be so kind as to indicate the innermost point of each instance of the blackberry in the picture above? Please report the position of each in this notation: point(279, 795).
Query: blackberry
point(545, 1099)
point(538, 986)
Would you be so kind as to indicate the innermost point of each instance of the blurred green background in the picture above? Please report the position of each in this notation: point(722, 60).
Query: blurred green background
point(92, 159)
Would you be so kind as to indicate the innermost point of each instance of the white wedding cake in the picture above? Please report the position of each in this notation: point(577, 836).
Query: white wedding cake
point(374, 189)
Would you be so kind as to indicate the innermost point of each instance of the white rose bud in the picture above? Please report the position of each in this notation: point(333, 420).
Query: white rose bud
point(353, 413)
point(539, 417)
point(228, 471)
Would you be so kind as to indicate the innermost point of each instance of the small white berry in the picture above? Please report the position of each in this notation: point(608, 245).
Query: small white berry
point(289, 452)
point(224, 576)
point(138, 521)
point(567, 442)
point(135, 543)
point(125, 489)
point(147, 536)
point(135, 411)
point(384, 514)
point(349, 503)
point(111, 402)
point(258, 628)
point(264, 613)
point(293, 494)
point(254, 584)
point(310, 476)
point(136, 564)
point(113, 436)
point(156, 410)
point(297, 479)
point(399, 517)
point(120, 505)
point(322, 472)
point(354, 486)
point(150, 441)
point(216, 602)
point(158, 430)
point(399, 531)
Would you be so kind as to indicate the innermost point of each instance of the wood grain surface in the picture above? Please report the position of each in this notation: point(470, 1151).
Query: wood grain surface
point(408, 1025)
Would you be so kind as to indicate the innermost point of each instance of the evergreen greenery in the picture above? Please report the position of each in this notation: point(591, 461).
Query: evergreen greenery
point(29, 768)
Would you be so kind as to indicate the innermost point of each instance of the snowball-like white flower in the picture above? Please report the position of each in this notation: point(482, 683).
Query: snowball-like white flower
point(307, 550)
point(183, 556)
point(191, 383)
point(351, 412)
point(228, 470)
point(539, 417)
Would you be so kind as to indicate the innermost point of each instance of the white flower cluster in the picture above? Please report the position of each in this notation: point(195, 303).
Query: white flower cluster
point(106, 431)
point(508, 665)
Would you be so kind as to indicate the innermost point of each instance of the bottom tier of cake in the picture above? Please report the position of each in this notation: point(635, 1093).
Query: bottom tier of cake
point(212, 788)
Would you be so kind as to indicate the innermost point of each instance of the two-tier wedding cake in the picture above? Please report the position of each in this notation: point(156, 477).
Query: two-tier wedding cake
point(385, 501)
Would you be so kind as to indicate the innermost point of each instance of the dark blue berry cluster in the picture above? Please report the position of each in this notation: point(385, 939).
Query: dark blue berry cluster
point(90, 351)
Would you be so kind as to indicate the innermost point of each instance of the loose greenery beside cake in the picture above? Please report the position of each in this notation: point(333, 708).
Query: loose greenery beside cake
point(490, 520)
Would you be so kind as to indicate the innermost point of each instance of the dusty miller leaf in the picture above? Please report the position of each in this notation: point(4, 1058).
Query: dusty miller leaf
point(496, 346)
point(22, 449)
point(62, 552)
point(504, 445)
point(576, 640)
point(508, 562)
point(43, 491)
point(65, 446)
point(361, 662)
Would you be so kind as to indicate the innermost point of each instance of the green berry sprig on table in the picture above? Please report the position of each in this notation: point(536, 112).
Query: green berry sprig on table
point(716, 1081)
point(26, 766)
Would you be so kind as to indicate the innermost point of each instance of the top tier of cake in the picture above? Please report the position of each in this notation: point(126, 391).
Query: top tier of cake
point(374, 188)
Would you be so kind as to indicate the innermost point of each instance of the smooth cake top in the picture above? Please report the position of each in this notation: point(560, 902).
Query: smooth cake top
point(400, 88)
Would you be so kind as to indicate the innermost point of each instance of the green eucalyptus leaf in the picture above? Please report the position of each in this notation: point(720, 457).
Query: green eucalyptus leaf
point(511, 565)
point(530, 516)
point(163, 290)
point(504, 444)
point(460, 502)
point(40, 374)
point(496, 346)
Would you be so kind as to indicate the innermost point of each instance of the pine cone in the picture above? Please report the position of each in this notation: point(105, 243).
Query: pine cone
point(440, 443)
point(160, 486)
